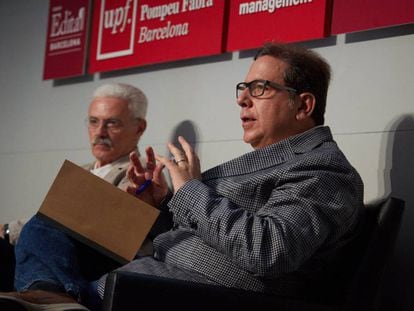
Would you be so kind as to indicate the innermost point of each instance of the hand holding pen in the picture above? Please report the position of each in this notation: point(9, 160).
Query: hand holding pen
point(143, 187)
point(147, 183)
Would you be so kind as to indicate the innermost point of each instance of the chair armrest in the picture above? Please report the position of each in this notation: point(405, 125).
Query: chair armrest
point(126, 289)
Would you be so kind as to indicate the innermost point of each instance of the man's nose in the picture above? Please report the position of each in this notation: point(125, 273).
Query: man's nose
point(244, 100)
point(102, 129)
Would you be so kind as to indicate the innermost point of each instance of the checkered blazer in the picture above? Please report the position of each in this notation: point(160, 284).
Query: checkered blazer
point(266, 214)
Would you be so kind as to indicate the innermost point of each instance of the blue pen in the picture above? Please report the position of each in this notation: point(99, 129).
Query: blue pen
point(144, 186)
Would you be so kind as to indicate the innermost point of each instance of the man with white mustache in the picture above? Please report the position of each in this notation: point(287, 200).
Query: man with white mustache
point(115, 122)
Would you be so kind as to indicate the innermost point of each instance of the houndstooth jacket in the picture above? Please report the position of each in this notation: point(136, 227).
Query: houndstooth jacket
point(266, 214)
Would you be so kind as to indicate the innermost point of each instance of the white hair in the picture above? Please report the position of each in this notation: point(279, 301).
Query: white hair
point(136, 99)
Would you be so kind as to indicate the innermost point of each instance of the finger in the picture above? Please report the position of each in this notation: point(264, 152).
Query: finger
point(176, 152)
point(150, 165)
point(159, 176)
point(165, 162)
point(158, 170)
point(136, 163)
point(188, 150)
point(132, 176)
point(131, 190)
point(150, 158)
point(135, 170)
point(192, 157)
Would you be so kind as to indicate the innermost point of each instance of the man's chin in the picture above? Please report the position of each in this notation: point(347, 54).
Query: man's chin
point(252, 141)
point(103, 154)
point(247, 139)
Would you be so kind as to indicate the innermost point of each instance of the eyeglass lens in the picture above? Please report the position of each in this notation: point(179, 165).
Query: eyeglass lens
point(256, 88)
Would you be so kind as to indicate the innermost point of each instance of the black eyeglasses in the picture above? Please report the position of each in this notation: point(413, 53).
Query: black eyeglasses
point(258, 88)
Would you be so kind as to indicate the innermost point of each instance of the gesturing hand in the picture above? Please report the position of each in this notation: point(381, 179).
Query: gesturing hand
point(184, 167)
point(137, 175)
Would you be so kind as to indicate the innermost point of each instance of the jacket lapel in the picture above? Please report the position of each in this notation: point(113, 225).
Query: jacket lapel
point(117, 173)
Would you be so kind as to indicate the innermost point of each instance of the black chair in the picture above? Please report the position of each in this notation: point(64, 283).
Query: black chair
point(353, 282)
point(7, 266)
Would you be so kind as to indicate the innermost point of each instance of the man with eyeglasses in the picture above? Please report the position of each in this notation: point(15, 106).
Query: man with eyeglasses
point(270, 220)
point(115, 122)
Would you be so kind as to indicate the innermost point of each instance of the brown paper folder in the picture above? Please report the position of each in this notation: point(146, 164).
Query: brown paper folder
point(97, 213)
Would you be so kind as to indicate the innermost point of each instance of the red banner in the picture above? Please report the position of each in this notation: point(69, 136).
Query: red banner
point(128, 33)
point(67, 30)
point(251, 23)
point(357, 15)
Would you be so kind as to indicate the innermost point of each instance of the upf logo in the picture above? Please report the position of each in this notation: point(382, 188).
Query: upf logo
point(116, 28)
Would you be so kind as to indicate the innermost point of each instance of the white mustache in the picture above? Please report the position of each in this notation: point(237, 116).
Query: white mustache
point(102, 141)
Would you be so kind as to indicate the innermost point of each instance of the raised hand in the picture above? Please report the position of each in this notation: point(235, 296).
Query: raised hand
point(138, 175)
point(184, 167)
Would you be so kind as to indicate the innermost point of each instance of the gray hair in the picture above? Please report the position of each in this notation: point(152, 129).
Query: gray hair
point(136, 99)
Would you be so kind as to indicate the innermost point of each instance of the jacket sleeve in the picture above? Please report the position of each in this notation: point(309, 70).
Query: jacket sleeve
point(310, 206)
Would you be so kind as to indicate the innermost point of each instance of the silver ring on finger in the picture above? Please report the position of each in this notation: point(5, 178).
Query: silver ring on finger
point(180, 160)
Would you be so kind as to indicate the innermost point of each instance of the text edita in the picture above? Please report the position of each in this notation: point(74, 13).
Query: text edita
point(64, 23)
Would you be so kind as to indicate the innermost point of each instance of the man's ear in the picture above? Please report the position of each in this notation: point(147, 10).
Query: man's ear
point(141, 126)
point(307, 102)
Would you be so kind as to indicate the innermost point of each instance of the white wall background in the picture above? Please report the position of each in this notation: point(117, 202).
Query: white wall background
point(370, 110)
